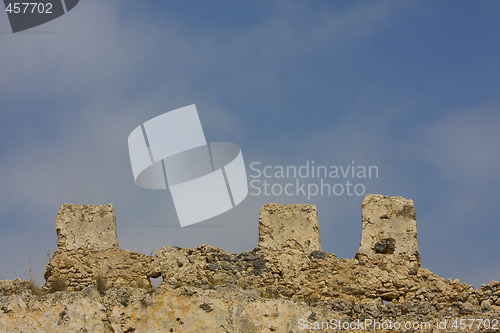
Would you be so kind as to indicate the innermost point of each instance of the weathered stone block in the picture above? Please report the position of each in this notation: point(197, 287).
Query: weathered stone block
point(8, 287)
point(289, 226)
point(78, 269)
point(389, 228)
point(91, 227)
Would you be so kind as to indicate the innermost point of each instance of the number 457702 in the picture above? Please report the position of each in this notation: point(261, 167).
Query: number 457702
point(29, 7)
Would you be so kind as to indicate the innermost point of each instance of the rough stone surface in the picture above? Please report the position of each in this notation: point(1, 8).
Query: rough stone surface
point(8, 287)
point(77, 269)
point(293, 226)
point(222, 309)
point(285, 281)
point(389, 228)
point(90, 227)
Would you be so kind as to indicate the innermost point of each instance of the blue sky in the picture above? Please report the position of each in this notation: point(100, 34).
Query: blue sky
point(412, 87)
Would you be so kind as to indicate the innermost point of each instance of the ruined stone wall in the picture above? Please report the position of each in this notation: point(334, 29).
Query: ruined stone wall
point(286, 278)
point(227, 309)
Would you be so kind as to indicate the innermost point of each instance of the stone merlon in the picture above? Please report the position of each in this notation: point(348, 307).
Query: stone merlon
point(91, 227)
point(389, 228)
point(289, 226)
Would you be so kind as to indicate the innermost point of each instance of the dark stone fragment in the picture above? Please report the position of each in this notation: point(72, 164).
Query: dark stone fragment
point(319, 254)
point(338, 305)
point(385, 246)
point(62, 314)
point(253, 256)
point(206, 307)
point(259, 264)
point(312, 317)
point(212, 267)
point(224, 257)
point(227, 267)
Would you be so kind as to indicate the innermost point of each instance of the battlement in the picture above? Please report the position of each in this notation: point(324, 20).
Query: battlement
point(286, 276)
point(389, 227)
point(288, 237)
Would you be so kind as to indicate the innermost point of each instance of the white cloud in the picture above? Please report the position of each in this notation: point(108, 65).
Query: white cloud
point(461, 144)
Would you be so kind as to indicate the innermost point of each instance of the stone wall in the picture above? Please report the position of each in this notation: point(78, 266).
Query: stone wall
point(223, 309)
point(286, 278)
